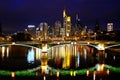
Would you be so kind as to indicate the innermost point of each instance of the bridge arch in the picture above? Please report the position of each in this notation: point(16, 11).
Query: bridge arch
point(18, 45)
point(84, 44)
point(112, 46)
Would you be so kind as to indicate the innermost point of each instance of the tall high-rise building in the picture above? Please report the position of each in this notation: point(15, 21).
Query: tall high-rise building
point(66, 23)
point(31, 30)
point(78, 26)
point(97, 27)
point(109, 27)
point(38, 33)
point(57, 28)
point(51, 31)
point(62, 32)
point(44, 29)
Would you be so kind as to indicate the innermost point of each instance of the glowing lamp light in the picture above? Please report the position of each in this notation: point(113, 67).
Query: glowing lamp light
point(58, 73)
point(58, 42)
point(101, 47)
point(13, 43)
point(88, 72)
point(44, 47)
point(71, 42)
point(108, 71)
point(67, 34)
point(88, 42)
point(12, 74)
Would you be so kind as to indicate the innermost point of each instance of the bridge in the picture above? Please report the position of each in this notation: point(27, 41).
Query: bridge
point(95, 44)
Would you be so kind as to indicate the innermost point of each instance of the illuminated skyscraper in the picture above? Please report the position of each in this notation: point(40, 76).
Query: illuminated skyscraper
point(62, 32)
point(51, 31)
point(66, 23)
point(31, 30)
point(79, 27)
point(44, 29)
point(38, 33)
point(97, 27)
point(109, 27)
point(57, 28)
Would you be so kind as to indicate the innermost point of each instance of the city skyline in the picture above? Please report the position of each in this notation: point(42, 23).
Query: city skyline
point(16, 15)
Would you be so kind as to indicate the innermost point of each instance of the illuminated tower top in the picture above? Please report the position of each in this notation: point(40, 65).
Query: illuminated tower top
point(76, 17)
point(64, 13)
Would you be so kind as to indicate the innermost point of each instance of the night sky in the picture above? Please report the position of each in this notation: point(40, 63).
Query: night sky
point(15, 15)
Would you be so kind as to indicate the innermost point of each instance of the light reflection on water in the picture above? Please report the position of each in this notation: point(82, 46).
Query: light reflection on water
point(19, 57)
point(112, 56)
point(71, 56)
point(3, 51)
point(67, 56)
point(5, 54)
point(30, 56)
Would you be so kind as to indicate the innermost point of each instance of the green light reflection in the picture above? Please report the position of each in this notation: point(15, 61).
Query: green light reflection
point(54, 71)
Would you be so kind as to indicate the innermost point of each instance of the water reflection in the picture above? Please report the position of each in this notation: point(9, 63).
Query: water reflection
point(113, 56)
point(14, 57)
point(7, 52)
point(68, 56)
point(38, 54)
point(78, 60)
point(71, 56)
point(85, 53)
point(3, 51)
point(30, 56)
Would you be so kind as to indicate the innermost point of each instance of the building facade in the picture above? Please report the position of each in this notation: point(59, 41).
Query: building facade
point(66, 23)
point(57, 28)
point(109, 27)
point(31, 30)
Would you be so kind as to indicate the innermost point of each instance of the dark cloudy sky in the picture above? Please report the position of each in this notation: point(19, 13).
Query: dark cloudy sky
point(15, 15)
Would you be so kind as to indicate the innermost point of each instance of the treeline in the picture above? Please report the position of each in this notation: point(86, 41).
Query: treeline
point(21, 37)
point(110, 36)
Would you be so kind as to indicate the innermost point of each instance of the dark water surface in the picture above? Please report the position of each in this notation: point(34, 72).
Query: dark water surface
point(64, 57)
point(19, 57)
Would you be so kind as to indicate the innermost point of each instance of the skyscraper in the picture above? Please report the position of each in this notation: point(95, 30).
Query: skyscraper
point(97, 27)
point(66, 23)
point(109, 27)
point(31, 30)
point(44, 29)
point(78, 26)
point(51, 31)
point(57, 28)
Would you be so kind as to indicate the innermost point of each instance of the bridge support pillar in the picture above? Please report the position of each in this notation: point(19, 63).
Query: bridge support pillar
point(101, 53)
point(101, 56)
point(44, 59)
point(44, 47)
